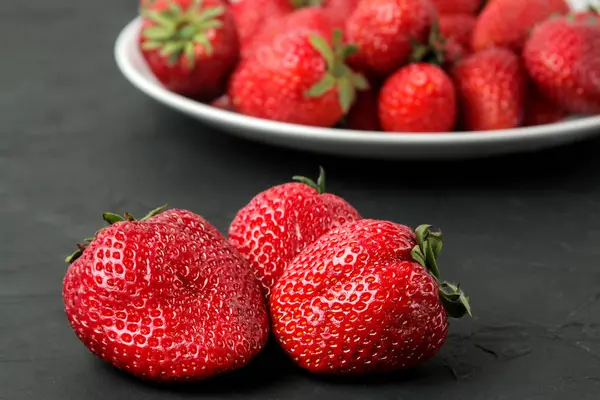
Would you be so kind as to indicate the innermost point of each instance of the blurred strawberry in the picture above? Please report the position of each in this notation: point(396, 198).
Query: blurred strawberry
point(363, 116)
point(457, 29)
point(563, 59)
point(541, 111)
point(491, 89)
point(507, 23)
point(591, 15)
point(252, 15)
point(418, 98)
point(384, 31)
point(191, 46)
point(298, 75)
point(457, 6)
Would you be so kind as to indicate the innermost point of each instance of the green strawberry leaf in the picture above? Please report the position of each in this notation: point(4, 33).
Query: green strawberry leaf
point(323, 86)
point(347, 93)
point(323, 48)
point(157, 33)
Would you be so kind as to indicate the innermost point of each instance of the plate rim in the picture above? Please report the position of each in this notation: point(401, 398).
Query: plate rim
point(573, 127)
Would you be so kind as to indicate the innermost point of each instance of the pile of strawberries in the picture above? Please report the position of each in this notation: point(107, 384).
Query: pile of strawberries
point(168, 298)
point(391, 65)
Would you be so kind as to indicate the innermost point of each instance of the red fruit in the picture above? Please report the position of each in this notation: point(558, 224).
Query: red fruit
point(457, 6)
point(563, 59)
point(280, 222)
point(357, 301)
point(165, 298)
point(491, 88)
point(591, 16)
point(540, 111)
point(418, 98)
point(385, 30)
point(252, 15)
point(190, 46)
point(364, 114)
point(297, 74)
point(507, 23)
point(457, 30)
point(339, 10)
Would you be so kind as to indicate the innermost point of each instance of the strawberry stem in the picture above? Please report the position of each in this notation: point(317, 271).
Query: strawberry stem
point(432, 52)
point(177, 32)
point(428, 248)
point(319, 186)
point(111, 218)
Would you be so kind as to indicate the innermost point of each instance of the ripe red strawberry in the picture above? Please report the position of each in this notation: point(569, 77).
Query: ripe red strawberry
point(252, 15)
point(357, 300)
point(457, 30)
point(191, 46)
point(457, 6)
point(385, 30)
point(165, 298)
point(563, 59)
point(418, 98)
point(297, 74)
point(507, 23)
point(364, 114)
point(540, 111)
point(280, 222)
point(491, 88)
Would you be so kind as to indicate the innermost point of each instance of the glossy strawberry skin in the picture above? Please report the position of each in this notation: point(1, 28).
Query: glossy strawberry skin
point(207, 79)
point(457, 6)
point(384, 32)
point(166, 299)
point(251, 16)
point(418, 98)
point(457, 30)
point(355, 302)
point(491, 88)
point(563, 59)
point(280, 222)
point(507, 23)
point(364, 114)
point(272, 82)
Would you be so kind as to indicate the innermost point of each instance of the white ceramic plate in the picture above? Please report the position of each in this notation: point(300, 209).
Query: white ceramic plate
point(347, 142)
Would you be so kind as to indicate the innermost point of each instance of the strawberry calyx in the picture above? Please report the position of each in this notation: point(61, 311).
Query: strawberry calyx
point(306, 3)
point(428, 248)
point(319, 186)
point(338, 75)
point(111, 218)
point(433, 51)
point(177, 32)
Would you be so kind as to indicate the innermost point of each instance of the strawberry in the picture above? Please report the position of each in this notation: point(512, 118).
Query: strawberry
point(540, 111)
point(563, 59)
point(279, 222)
point(252, 15)
point(297, 74)
point(191, 46)
point(363, 116)
point(457, 6)
point(365, 297)
point(507, 23)
point(457, 30)
point(591, 15)
point(418, 98)
point(384, 31)
point(491, 88)
point(165, 298)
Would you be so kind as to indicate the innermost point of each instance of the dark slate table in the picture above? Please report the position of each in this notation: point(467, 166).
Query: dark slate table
point(522, 233)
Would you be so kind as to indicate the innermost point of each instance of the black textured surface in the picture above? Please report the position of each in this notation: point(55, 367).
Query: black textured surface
point(76, 139)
